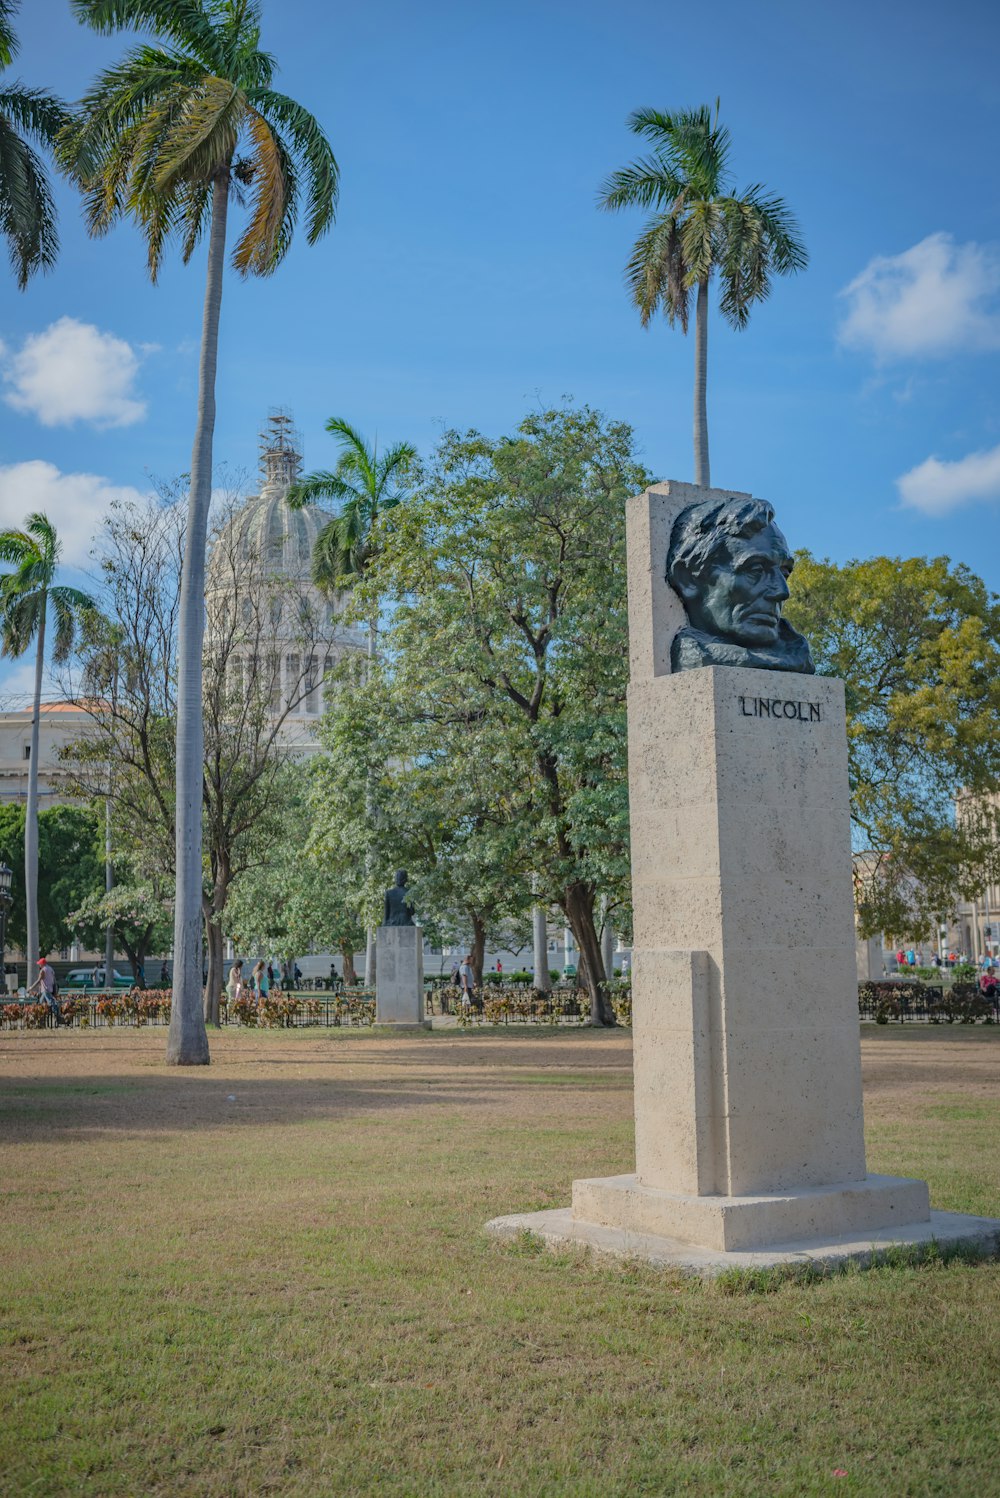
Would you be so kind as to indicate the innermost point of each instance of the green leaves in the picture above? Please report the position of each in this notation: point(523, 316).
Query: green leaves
point(28, 116)
point(26, 593)
point(701, 228)
point(496, 713)
point(917, 642)
point(366, 484)
point(158, 129)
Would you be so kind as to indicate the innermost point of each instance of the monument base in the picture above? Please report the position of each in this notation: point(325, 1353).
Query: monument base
point(729, 1223)
point(945, 1231)
point(399, 978)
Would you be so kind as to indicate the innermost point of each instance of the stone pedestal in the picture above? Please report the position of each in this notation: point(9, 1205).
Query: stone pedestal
point(749, 1127)
point(399, 977)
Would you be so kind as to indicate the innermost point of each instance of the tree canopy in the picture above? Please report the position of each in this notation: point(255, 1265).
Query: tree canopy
point(509, 630)
point(917, 643)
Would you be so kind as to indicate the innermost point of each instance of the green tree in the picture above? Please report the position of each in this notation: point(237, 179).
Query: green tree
point(29, 117)
point(916, 641)
point(293, 900)
point(70, 870)
point(166, 137)
point(700, 227)
point(449, 809)
point(26, 596)
point(509, 570)
point(250, 688)
point(366, 485)
point(139, 909)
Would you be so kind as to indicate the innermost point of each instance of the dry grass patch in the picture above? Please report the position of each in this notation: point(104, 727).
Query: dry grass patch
point(270, 1276)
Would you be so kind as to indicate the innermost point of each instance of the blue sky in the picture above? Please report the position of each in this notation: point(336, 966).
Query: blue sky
point(470, 276)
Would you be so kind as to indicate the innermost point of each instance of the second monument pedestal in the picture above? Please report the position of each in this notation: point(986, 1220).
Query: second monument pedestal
point(399, 977)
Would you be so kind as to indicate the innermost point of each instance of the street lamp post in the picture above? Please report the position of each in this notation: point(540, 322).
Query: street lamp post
point(6, 879)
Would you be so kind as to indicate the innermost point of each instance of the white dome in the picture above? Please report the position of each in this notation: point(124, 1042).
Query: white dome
point(269, 537)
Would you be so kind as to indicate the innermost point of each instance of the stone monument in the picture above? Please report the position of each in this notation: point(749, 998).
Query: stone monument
point(399, 973)
point(748, 1115)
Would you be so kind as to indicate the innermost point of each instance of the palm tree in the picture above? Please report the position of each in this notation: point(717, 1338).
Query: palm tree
point(699, 228)
point(27, 213)
point(167, 137)
point(26, 595)
point(365, 485)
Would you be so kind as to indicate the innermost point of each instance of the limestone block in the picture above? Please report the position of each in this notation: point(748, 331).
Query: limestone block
point(871, 1206)
point(727, 874)
point(399, 976)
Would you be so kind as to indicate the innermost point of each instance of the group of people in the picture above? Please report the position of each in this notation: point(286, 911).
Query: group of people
point(261, 979)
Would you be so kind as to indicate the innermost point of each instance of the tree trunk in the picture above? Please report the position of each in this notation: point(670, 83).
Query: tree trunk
point(701, 467)
point(371, 956)
point(478, 949)
point(109, 884)
point(347, 962)
point(213, 984)
point(187, 1040)
point(540, 943)
point(578, 906)
point(31, 810)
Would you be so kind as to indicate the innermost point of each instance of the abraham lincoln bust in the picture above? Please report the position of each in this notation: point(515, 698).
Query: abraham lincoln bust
point(729, 564)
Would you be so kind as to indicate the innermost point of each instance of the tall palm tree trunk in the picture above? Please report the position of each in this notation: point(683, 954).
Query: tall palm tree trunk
point(371, 955)
point(187, 1041)
point(31, 810)
point(701, 468)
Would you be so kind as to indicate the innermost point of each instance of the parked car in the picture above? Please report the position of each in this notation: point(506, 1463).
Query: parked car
point(93, 978)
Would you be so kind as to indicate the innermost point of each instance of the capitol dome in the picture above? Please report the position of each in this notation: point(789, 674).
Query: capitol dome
point(261, 562)
point(265, 534)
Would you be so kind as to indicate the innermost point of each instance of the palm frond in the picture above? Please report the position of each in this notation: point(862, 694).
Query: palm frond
point(648, 182)
point(20, 616)
point(27, 210)
point(68, 607)
point(262, 244)
point(320, 485)
point(656, 272)
point(322, 174)
point(185, 22)
point(8, 41)
point(16, 545)
point(40, 527)
point(781, 227)
point(202, 138)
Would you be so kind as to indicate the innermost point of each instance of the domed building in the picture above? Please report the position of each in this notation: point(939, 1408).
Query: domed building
point(284, 626)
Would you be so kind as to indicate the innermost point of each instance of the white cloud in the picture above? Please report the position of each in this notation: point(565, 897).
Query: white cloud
point(936, 298)
point(936, 488)
point(76, 503)
point(74, 372)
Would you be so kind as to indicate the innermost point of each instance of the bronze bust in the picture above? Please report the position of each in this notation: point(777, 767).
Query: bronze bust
point(729, 563)
point(396, 910)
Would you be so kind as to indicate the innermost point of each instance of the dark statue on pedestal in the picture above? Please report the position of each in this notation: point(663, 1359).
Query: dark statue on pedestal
point(396, 911)
point(729, 563)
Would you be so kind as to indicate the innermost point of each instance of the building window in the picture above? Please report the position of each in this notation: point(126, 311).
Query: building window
point(311, 683)
point(26, 752)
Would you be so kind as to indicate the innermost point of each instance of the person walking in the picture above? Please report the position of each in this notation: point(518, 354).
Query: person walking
point(234, 988)
point(47, 989)
point(467, 980)
point(261, 984)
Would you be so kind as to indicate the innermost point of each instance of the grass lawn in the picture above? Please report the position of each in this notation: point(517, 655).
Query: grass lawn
point(270, 1275)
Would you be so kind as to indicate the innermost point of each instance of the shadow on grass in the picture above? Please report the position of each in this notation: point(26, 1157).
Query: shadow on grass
point(81, 1106)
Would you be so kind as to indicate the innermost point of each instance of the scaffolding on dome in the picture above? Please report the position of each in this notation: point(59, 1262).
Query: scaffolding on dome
point(279, 448)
